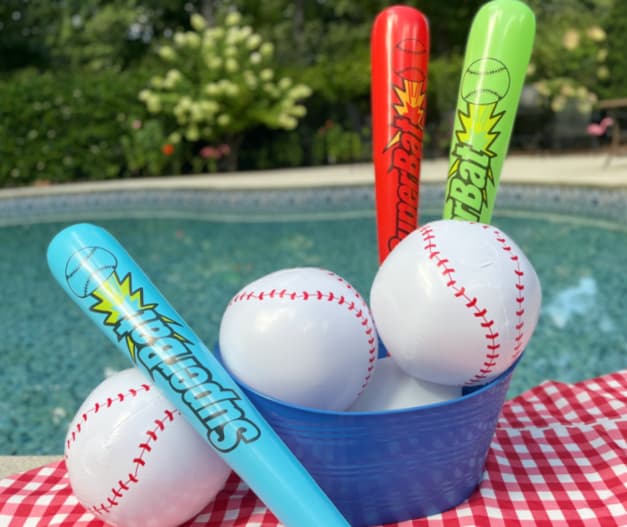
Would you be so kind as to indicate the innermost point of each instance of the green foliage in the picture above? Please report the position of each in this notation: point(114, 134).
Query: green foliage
point(23, 35)
point(449, 23)
point(569, 58)
point(85, 33)
point(76, 118)
point(147, 150)
point(100, 34)
point(334, 144)
point(616, 27)
point(272, 149)
point(442, 90)
point(219, 82)
point(443, 84)
point(340, 76)
point(64, 127)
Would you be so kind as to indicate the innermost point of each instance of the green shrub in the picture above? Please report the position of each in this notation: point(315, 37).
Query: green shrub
point(147, 150)
point(219, 82)
point(442, 90)
point(569, 60)
point(264, 149)
point(334, 144)
point(64, 126)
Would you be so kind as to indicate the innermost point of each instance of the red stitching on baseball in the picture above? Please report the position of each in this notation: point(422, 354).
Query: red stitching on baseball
point(330, 297)
point(492, 344)
point(97, 406)
point(492, 336)
point(144, 447)
point(520, 286)
point(133, 477)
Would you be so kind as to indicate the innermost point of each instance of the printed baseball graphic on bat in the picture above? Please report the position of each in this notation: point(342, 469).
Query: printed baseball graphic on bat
point(100, 276)
point(498, 51)
point(399, 58)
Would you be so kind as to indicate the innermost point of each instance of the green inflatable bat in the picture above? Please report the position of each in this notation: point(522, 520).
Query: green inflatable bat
point(497, 56)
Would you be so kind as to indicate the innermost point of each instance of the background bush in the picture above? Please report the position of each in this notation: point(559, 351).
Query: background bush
point(65, 126)
point(72, 71)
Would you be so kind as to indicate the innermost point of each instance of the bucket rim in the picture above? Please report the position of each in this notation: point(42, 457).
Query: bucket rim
point(477, 391)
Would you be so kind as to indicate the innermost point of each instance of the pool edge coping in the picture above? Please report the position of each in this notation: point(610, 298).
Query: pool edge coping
point(587, 170)
point(13, 465)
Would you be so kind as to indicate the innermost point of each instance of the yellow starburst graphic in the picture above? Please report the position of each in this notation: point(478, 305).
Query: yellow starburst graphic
point(412, 97)
point(117, 299)
point(471, 177)
point(454, 167)
point(477, 127)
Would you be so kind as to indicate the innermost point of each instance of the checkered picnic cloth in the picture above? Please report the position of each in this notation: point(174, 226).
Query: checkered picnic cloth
point(558, 459)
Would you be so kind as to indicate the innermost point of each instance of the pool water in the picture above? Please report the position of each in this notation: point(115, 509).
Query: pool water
point(200, 253)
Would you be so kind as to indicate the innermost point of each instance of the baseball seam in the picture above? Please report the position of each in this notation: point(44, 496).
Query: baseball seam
point(78, 267)
point(143, 448)
point(520, 288)
point(483, 90)
point(360, 311)
point(486, 72)
point(493, 345)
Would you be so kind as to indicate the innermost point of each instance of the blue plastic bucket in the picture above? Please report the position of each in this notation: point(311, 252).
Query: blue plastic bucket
point(384, 467)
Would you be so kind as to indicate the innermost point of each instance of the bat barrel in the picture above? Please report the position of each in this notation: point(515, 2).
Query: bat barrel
point(498, 51)
point(399, 59)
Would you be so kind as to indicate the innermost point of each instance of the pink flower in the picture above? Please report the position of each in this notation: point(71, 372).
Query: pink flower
point(136, 124)
point(225, 149)
point(209, 152)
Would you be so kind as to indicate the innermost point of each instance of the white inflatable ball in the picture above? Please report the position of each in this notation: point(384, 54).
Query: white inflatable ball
point(456, 302)
point(390, 388)
point(134, 461)
point(303, 335)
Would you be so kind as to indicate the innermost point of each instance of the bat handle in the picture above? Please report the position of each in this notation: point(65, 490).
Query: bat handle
point(101, 277)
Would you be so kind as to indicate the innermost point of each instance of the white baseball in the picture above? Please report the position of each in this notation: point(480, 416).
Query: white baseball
point(391, 388)
point(134, 461)
point(303, 336)
point(456, 302)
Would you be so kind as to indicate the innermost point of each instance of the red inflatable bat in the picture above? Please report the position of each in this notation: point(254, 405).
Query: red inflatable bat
point(399, 58)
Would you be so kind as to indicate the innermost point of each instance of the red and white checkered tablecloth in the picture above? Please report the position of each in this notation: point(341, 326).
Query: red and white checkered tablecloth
point(558, 459)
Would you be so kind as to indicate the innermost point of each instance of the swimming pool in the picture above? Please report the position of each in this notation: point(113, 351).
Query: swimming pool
point(200, 247)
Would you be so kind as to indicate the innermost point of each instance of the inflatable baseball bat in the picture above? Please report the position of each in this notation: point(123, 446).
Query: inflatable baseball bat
point(399, 57)
point(498, 51)
point(99, 275)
